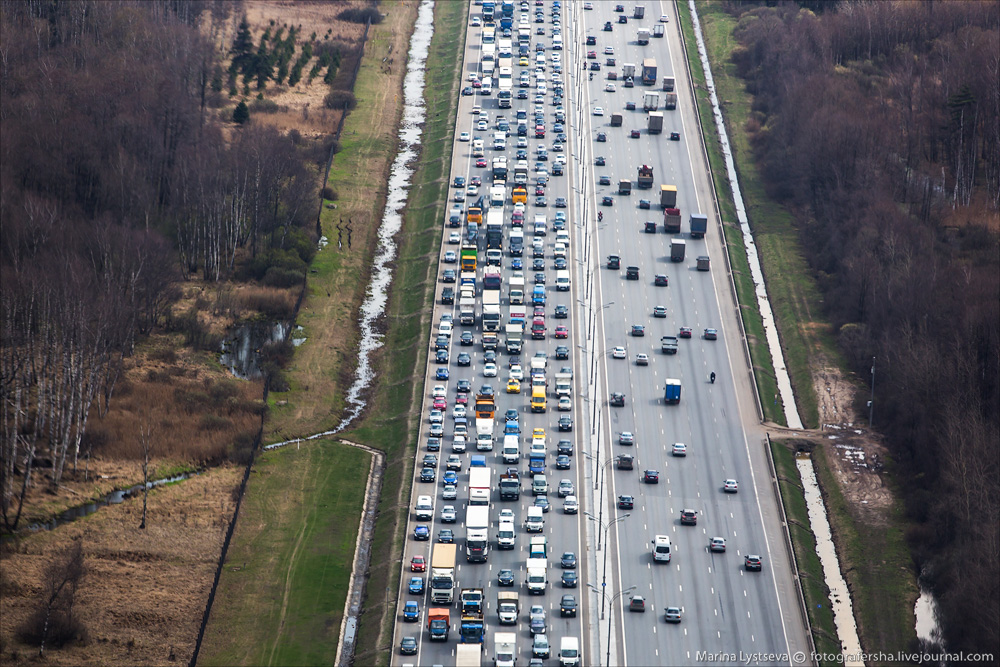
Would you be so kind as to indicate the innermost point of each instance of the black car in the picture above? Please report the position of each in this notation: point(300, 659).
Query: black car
point(538, 264)
point(604, 180)
point(614, 262)
point(446, 536)
point(649, 227)
point(564, 447)
point(567, 606)
point(601, 136)
point(689, 518)
point(521, 154)
point(638, 330)
point(441, 357)
point(617, 399)
point(505, 577)
point(562, 352)
point(466, 338)
point(560, 263)
point(562, 462)
point(539, 278)
point(464, 359)
point(623, 19)
point(561, 312)
point(431, 460)
point(565, 423)
point(543, 502)
point(607, 26)
point(651, 477)
point(675, 136)
point(591, 40)
point(522, 94)
point(448, 276)
point(463, 386)
point(569, 579)
point(607, 201)
point(434, 444)
point(427, 475)
point(568, 561)
point(632, 273)
point(660, 280)
point(644, 203)
point(599, 162)
point(626, 502)
point(448, 295)
point(490, 356)
point(630, 106)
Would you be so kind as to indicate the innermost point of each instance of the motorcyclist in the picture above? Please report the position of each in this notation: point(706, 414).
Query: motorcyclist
point(600, 216)
point(712, 377)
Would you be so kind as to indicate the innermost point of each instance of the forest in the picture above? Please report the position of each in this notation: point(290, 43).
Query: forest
point(878, 124)
point(122, 175)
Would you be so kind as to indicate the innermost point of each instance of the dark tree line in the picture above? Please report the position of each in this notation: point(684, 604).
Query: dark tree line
point(880, 122)
point(115, 183)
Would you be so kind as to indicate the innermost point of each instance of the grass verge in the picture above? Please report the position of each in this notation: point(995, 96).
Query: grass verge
point(389, 422)
point(793, 293)
point(281, 596)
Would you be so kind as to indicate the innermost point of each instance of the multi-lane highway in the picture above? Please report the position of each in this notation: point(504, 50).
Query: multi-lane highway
point(724, 608)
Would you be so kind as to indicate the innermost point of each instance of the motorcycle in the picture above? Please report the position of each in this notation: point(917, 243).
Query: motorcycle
point(712, 377)
point(600, 216)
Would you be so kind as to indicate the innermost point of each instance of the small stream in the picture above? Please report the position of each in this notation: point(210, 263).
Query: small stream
point(840, 595)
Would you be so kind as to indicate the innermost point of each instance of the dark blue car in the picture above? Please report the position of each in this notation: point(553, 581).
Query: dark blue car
point(411, 611)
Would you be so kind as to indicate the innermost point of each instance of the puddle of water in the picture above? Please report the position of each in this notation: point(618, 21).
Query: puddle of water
point(113, 498)
point(410, 131)
point(925, 610)
point(760, 288)
point(241, 351)
point(296, 341)
point(840, 596)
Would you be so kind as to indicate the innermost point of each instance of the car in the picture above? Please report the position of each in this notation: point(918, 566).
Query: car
point(685, 332)
point(588, 5)
point(486, 389)
point(541, 201)
point(651, 476)
point(454, 463)
point(476, 83)
point(464, 136)
point(440, 404)
point(679, 449)
point(637, 603)
point(672, 615)
point(659, 311)
point(638, 330)
point(617, 399)
point(675, 136)
point(604, 180)
point(591, 55)
point(505, 577)
point(522, 94)
point(459, 182)
point(565, 404)
point(565, 423)
point(660, 280)
point(607, 201)
point(450, 492)
point(538, 264)
point(562, 462)
point(448, 295)
point(624, 461)
point(516, 372)
point(609, 88)
point(711, 334)
point(630, 106)
point(562, 331)
point(610, 62)
point(607, 26)
point(513, 386)
point(466, 339)
point(717, 544)
point(416, 586)
point(753, 562)
point(418, 564)
point(565, 488)
point(591, 40)
point(490, 356)
point(450, 477)
point(516, 264)
point(430, 460)
point(427, 474)
point(537, 624)
point(561, 312)
point(408, 646)
point(626, 502)
point(539, 278)
point(689, 518)
point(421, 532)
point(634, 134)
point(564, 447)
point(441, 374)
point(626, 438)
point(433, 444)
point(600, 161)
point(663, 18)
point(560, 202)
point(468, 90)
point(562, 352)
point(463, 386)
point(644, 203)
point(601, 136)
point(464, 359)
point(642, 359)
point(618, 352)
point(543, 502)
point(490, 370)
point(730, 486)
point(448, 513)
point(619, 8)
point(448, 275)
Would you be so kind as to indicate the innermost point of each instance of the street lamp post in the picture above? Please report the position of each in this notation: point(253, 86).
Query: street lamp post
point(616, 596)
point(604, 574)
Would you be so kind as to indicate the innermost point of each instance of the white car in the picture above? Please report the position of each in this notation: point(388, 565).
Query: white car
point(663, 18)
point(565, 404)
point(588, 5)
point(571, 505)
point(609, 50)
point(465, 136)
point(482, 125)
point(454, 238)
point(516, 372)
point(476, 110)
point(459, 411)
point(598, 111)
point(472, 190)
point(610, 88)
point(506, 514)
point(490, 370)
point(730, 486)
point(450, 492)
point(618, 352)
point(450, 257)
point(522, 142)
point(448, 514)
point(439, 391)
point(476, 21)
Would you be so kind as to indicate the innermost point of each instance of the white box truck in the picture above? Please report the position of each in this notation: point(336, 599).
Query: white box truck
point(562, 280)
point(511, 449)
point(507, 535)
point(504, 652)
point(537, 575)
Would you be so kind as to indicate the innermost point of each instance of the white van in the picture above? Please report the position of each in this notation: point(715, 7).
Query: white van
point(569, 652)
point(557, 43)
point(562, 280)
point(661, 549)
point(511, 449)
point(539, 486)
point(425, 508)
point(535, 522)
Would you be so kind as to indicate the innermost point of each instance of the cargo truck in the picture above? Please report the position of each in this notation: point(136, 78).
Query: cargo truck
point(438, 623)
point(668, 196)
point(628, 70)
point(492, 280)
point(507, 535)
point(517, 314)
point(672, 220)
point(649, 72)
point(468, 655)
point(499, 172)
point(504, 652)
point(538, 547)
point(507, 607)
point(491, 310)
point(471, 601)
point(672, 393)
point(677, 248)
point(485, 406)
point(515, 338)
point(477, 527)
point(521, 172)
point(468, 257)
point(645, 176)
point(669, 101)
point(668, 344)
point(655, 122)
point(638, 12)
point(520, 194)
point(517, 245)
point(650, 101)
point(498, 193)
point(515, 289)
point(668, 84)
point(616, 120)
point(479, 486)
point(643, 37)
point(536, 461)
point(443, 573)
point(467, 310)
point(510, 485)
point(472, 630)
point(564, 384)
point(703, 263)
point(624, 187)
point(658, 30)
point(699, 225)
point(484, 434)
point(537, 575)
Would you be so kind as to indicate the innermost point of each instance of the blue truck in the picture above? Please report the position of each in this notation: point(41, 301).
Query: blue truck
point(672, 392)
point(536, 464)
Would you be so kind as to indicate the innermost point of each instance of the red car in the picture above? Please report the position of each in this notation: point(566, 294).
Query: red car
point(685, 332)
point(539, 190)
point(477, 84)
point(538, 311)
point(462, 399)
point(562, 332)
point(591, 54)
point(440, 404)
point(475, 180)
point(481, 162)
point(634, 134)
point(418, 564)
